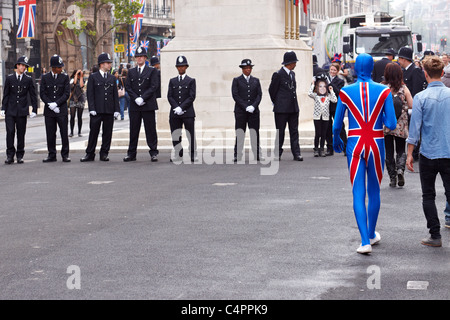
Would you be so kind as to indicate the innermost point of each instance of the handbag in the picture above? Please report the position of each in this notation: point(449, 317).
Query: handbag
point(121, 91)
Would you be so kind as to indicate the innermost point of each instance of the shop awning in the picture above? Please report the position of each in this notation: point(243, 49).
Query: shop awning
point(156, 37)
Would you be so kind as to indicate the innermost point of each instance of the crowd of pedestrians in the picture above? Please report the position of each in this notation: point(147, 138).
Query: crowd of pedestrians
point(418, 97)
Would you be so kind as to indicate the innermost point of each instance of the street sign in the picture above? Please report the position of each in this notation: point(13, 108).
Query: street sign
point(119, 48)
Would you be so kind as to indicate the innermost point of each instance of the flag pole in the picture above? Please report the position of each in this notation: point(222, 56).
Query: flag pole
point(297, 23)
point(14, 33)
point(292, 19)
point(286, 19)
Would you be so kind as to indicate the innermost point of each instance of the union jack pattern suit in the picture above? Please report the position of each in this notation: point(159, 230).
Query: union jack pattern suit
point(369, 106)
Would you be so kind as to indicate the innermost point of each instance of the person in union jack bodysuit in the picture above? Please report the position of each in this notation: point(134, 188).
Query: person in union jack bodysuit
point(369, 106)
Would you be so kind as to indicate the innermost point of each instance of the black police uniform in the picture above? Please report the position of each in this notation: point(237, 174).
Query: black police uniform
point(246, 93)
point(413, 77)
point(182, 94)
point(102, 98)
point(154, 61)
point(56, 88)
point(142, 82)
point(16, 97)
point(283, 94)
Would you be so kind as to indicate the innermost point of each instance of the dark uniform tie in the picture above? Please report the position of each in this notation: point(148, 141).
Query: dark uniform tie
point(180, 78)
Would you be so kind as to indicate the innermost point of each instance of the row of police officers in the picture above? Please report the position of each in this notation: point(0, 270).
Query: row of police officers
point(143, 87)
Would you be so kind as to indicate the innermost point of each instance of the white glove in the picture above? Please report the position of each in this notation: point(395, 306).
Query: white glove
point(139, 101)
point(2, 113)
point(116, 114)
point(56, 110)
point(32, 115)
point(250, 109)
point(93, 113)
point(178, 111)
point(52, 106)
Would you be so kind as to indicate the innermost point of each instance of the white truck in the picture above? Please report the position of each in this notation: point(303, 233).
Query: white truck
point(350, 35)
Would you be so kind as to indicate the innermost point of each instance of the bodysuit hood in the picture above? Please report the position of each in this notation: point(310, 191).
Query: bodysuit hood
point(364, 66)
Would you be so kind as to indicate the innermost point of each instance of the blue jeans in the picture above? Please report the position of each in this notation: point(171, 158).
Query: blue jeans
point(447, 211)
point(122, 101)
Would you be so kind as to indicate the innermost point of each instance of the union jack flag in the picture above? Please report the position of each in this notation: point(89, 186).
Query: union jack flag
point(367, 132)
point(132, 49)
point(27, 19)
point(137, 26)
point(144, 44)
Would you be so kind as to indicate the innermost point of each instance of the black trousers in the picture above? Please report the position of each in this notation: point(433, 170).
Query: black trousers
point(428, 172)
point(321, 127)
point(13, 125)
point(395, 163)
point(51, 125)
point(176, 124)
point(281, 119)
point(241, 122)
point(136, 118)
point(106, 122)
point(342, 134)
point(79, 113)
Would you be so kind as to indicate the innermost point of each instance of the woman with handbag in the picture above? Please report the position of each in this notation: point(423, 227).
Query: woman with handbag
point(402, 98)
point(77, 100)
point(121, 92)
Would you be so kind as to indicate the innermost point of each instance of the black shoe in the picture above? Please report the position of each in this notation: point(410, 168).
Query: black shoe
point(9, 161)
point(104, 158)
point(393, 182)
point(80, 135)
point(49, 159)
point(298, 158)
point(19, 160)
point(66, 159)
point(71, 135)
point(330, 152)
point(316, 152)
point(154, 158)
point(401, 180)
point(129, 158)
point(87, 158)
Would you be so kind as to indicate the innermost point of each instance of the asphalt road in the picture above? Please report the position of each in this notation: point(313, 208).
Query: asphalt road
point(160, 231)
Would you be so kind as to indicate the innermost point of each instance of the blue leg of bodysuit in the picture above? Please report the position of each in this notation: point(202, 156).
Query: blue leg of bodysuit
point(359, 202)
point(366, 218)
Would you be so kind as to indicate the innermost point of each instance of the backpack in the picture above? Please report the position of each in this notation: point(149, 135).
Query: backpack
point(398, 105)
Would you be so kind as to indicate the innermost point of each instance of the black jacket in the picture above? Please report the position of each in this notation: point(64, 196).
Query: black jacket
point(337, 84)
point(378, 69)
point(283, 93)
point(16, 96)
point(246, 94)
point(145, 86)
point(182, 94)
point(414, 79)
point(58, 91)
point(102, 94)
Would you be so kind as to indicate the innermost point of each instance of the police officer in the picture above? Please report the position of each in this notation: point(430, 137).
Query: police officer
point(154, 62)
point(142, 85)
point(181, 96)
point(283, 94)
point(55, 91)
point(247, 94)
point(413, 77)
point(103, 102)
point(18, 90)
point(380, 65)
